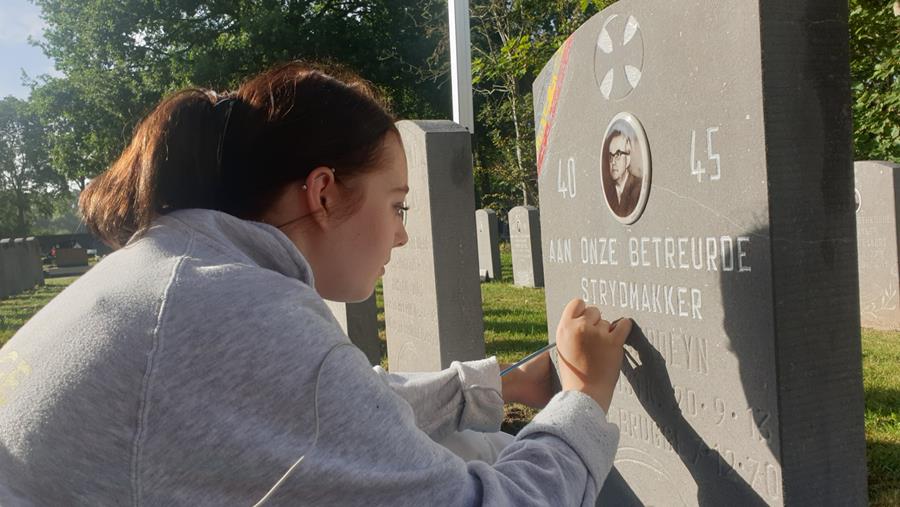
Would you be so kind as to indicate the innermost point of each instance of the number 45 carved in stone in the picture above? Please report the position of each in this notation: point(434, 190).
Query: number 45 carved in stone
point(697, 168)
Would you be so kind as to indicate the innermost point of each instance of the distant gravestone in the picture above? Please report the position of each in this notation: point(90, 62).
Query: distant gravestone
point(695, 173)
point(878, 231)
point(71, 257)
point(487, 231)
point(24, 272)
point(37, 263)
point(432, 297)
point(525, 243)
point(6, 269)
point(360, 322)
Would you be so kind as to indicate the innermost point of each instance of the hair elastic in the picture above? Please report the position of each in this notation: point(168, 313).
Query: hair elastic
point(222, 108)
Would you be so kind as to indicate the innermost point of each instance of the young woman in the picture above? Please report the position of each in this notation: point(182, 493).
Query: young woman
point(198, 364)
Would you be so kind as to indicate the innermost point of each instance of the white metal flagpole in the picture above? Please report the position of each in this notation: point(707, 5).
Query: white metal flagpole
point(461, 63)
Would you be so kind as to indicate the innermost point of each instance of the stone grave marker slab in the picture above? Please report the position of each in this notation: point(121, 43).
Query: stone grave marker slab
point(34, 252)
point(525, 244)
point(432, 296)
point(487, 230)
point(360, 322)
point(71, 257)
point(877, 231)
point(24, 272)
point(5, 273)
point(695, 174)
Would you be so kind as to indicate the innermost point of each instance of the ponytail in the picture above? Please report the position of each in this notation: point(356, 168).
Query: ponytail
point(170, 162)
point(198, 150)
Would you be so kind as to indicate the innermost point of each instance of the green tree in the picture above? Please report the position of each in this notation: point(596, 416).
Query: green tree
point(511, 42)
point(27, 181)
point(119, 57)
point(875, 73)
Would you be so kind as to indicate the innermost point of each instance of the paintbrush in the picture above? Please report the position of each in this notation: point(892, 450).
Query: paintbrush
point(547, 347)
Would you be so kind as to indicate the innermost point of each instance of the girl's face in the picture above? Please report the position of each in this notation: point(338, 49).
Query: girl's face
point(363, 241)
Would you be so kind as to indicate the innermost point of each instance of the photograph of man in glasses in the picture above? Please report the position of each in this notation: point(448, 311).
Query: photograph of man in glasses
point(621, 182)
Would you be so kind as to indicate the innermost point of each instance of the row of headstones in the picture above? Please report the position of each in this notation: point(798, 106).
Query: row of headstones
point(20, 266)
point(525, 245)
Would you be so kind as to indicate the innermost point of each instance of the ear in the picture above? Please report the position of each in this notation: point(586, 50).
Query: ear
point(322, 194)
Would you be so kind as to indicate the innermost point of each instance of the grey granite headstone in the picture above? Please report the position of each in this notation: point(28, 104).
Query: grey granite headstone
point(695, 173)
point(71, 257)
point(24, 272)
point(432, 296)
point(360, 322)
point(5, 268)
point(525, 243)
point(487, 234)
point(877, 232)
point(37, 264)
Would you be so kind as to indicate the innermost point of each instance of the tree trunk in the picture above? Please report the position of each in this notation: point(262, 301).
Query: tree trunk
point(515, 118)
point(21, 207)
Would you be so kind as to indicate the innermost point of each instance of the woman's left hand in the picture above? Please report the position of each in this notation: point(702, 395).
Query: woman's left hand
point(530, 383)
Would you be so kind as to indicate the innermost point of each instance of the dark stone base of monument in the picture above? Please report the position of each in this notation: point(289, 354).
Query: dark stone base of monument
point(695, 173)
point(877, 232)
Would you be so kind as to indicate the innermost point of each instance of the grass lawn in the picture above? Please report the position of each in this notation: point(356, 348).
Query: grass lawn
point(16, 310)
point(515, 325)
point(881, 378)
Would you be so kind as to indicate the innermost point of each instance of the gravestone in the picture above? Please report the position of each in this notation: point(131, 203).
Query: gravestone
point(360, 322)
point(695, 173)
point(24, 273)
point(488, 244)
point(5, 269)
point(525, 243)
point(71, 257)
point(37, 263)
point(877, 231)
point(432, 296)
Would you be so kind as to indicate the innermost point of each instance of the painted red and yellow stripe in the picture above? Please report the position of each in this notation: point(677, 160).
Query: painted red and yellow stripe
point(548, 115)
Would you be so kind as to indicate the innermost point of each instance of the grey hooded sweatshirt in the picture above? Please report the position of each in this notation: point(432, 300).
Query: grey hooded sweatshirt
point(197, 365)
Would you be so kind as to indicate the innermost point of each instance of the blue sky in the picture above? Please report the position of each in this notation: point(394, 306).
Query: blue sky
point(18, 20)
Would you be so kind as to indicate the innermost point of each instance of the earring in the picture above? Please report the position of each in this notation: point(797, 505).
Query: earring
point(304, 187)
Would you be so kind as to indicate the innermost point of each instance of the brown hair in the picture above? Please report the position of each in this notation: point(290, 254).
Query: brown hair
point(235, 152)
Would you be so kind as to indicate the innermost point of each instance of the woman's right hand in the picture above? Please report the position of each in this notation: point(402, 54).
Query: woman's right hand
point(590, 351)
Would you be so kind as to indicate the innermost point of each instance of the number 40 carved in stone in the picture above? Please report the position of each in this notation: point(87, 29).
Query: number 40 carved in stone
point(697, 168)
point(565, 179)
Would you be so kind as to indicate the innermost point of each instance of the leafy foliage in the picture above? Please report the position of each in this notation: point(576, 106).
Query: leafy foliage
point(120, 57)
point(511, 42)
point(875, 73)
point(27, 181)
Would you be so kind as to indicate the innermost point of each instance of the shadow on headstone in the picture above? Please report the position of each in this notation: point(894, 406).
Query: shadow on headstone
point(717, 481)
